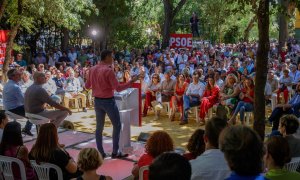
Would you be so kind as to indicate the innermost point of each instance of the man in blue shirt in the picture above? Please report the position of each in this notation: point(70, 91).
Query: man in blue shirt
point(292, 107)
point(13, 98)
point(20, 60)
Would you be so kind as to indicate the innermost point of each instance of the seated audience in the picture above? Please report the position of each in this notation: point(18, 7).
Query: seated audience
point(152, 89)
point(246, 103)
point(47, 149)
point(59, 82)
point(3, 122)
point(292, 107)
point(170, 166)
point(89, 160)
point(196, 145)
point(211, 164)
point(165, 93)
point(243, 150)
point(285, 81)
point(36, 104)
point(228, 95)
point(51, 88)
point(13, 98)
point(73, 90)
point(25, 81)
point(288, 126)
point(158, 143)
point(192, 97)
point(210, 97)
point(12, 146)
point(218, 80)
point(277, 154)
point(177, 99)
point(20, 61)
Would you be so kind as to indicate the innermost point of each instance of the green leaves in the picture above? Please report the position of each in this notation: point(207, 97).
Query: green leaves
point(64, 13)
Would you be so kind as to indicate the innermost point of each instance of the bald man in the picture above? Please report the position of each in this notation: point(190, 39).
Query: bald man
point(36, 97)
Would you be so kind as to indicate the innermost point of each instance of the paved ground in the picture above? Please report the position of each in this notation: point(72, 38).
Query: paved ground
point(86, 122)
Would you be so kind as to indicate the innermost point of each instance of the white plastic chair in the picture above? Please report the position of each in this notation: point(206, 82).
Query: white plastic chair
point(14, 116)
point(43, 170)
point(292, 166)
point(37, 120)
point(6, 167)
point(141, 172)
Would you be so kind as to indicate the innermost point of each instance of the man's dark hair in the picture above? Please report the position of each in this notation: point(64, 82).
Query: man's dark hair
point(11, 73)
point(290, 122)
point(170, 166)
point(213, 129)
point(105, 53)
point(243, 150)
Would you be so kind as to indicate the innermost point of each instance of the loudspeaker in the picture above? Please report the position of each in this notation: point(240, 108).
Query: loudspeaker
point(143, 137)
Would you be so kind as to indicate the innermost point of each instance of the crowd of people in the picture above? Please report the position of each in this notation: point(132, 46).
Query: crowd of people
point(202, 77)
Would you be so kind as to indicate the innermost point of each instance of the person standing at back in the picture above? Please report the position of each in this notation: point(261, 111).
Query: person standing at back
point(103, 82)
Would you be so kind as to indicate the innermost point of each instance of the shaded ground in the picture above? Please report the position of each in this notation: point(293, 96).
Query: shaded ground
point(86, 122)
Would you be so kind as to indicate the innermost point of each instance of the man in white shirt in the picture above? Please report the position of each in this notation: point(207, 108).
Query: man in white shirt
point(192, 96)
point(217, 78)
point(182, 58)
point(51, 88)
point(73, 90)
point(295, 74)
point(211, 164)
point(25, 81)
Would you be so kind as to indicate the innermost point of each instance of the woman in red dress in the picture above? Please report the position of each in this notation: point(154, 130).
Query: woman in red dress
point(210, 97)
point(177, 100)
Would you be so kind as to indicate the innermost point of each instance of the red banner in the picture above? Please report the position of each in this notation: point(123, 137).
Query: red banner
point(3, 41)
point(181, 41)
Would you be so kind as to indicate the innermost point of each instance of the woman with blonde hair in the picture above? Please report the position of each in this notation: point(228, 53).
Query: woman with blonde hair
point(47, 149)
point(158, 143)
point(89, 160)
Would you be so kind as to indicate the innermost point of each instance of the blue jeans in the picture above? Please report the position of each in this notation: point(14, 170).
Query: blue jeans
point(243, 107)
point(109, 107)
point(187, 104)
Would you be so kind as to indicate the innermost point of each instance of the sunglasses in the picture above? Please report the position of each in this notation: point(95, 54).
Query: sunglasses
point(154, 77)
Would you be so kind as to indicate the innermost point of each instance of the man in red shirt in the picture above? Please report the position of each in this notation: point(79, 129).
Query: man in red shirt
point(103, 82)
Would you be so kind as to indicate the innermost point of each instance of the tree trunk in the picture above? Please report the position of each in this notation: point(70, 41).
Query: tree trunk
point(65, 39)
point(167, 24)
point(249, 27)
point(3, 4)
point(170, 13)
point(9, 48)
point(261, 67)
point(283, 24)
